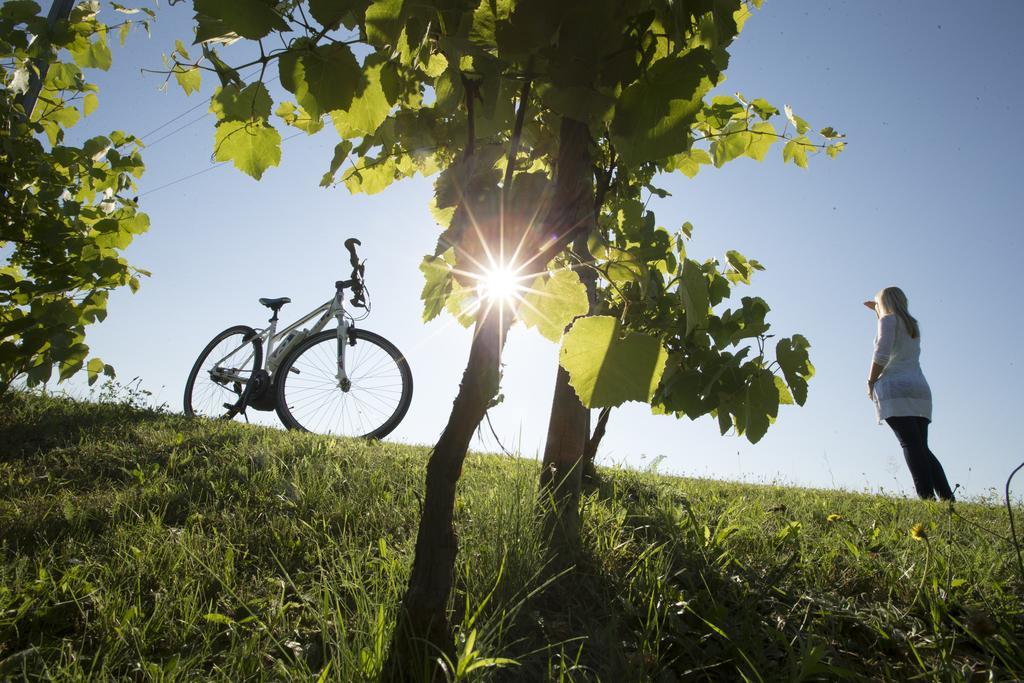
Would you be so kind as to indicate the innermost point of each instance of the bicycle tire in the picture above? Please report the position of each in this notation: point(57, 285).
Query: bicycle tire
point(246, 335)
point(318, 365)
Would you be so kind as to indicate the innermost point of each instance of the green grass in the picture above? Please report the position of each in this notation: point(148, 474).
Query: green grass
point(149, 547)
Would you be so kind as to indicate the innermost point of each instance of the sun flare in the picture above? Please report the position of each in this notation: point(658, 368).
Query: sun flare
point(500, 284)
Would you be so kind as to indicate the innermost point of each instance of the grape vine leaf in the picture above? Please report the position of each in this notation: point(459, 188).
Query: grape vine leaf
point(323, 78)
point(795, 363)
point(553, 302)
point(368, 109)
point(252, 19)
point(693, 289)
point(654, 114)
point(606, 367)
point(250, 145)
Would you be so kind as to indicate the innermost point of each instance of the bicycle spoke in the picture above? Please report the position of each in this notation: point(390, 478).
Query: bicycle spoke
point(377, 392)
point(230, 355)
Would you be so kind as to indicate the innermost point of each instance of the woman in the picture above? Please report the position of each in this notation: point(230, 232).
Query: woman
point(900, 391)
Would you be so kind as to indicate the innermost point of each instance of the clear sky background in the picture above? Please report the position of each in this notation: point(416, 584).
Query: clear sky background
point(926, 196)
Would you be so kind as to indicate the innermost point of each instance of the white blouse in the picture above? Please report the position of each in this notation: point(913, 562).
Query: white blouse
point(901, 389)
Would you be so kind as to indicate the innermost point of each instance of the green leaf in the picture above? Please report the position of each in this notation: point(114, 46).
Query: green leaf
point(762, 137)
point(65, 117)
point(795, 363)
point(253, 19)
point(231, 103)
point(437, 275)
point(798, 123)
point(370, 175)
point(785, 396)
point(18, 11)
point(252, 146)
point(688, 162)
point(341, 152)
point(90, 103)
point(654, 114)
point(796, 151)
point(329, 13)
point(462, 304)
point(741, 268)
point(764, 109)
point(298, 117)
point(553, 302)
point(577, 102)
point(731, 143)
point(189, 79)
point(607, 368)
point(384, 22)
point(94, 368)
point(92, 54)
point(761, 406)
point(323, 79)
point(693, 289)
point(369, 108)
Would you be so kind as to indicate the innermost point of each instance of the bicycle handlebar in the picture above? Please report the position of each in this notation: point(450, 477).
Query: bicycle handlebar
point(351, 243)
point(357, 273)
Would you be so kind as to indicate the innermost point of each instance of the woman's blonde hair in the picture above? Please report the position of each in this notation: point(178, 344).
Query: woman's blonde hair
point(892, 301)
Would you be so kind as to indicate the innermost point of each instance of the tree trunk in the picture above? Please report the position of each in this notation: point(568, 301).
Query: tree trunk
point(593, 443)
point(569, 424)
point(423, 630)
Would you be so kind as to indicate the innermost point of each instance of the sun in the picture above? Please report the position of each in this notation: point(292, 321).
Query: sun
point(500, 284)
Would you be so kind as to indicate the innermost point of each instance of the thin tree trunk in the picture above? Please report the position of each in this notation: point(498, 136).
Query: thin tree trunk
point(569, 424)
point(593, 443)
point(423, 630)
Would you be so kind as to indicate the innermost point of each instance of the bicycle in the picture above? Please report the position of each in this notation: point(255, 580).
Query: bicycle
point(344, 381)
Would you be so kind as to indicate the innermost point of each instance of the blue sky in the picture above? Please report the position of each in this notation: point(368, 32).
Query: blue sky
point(925, 196)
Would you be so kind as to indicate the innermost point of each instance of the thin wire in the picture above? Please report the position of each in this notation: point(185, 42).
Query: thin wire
point(172, 120)
point(204, 170)
point(149, 145)
point(182, 179)
point(189, 111)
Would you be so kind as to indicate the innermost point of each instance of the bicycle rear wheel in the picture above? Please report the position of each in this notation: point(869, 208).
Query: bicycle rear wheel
point(310, 398)
point(221, 373)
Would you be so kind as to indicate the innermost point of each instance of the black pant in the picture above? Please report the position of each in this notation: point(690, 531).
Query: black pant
point(925, 469)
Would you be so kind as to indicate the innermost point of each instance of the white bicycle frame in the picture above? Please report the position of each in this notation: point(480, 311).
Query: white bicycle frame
point(335, 308)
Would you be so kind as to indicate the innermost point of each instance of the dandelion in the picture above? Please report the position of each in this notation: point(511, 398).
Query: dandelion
point(918, 533)
point(835, 518)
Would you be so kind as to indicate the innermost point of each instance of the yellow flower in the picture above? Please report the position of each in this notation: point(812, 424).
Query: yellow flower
point(918, 533)
point(835, 518)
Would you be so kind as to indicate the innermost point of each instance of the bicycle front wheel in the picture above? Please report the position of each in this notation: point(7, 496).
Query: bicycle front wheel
point(310, 397)
point(221, 373)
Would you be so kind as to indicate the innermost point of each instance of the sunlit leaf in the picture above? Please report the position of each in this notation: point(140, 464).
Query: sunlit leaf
point(253, 19)
point(553, 302)
point(653, 116)
point(188, 78)
point(252, 147)
point(608, 367)
point(323, 78)
point(694, 292)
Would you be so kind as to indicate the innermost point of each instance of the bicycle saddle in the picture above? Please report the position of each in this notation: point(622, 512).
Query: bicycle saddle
point(275, 304)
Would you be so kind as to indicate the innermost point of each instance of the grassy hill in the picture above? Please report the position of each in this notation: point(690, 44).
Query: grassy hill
point(149, 547)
